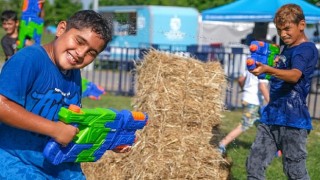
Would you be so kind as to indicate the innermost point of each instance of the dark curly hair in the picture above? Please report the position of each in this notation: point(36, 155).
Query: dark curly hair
point(93, 20)
point(9, 15)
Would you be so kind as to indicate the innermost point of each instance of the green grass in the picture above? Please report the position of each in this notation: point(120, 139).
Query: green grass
point(239, 148)
point(108, 101)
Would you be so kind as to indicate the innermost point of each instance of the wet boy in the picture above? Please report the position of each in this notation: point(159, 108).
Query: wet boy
point(286, 122)
point(34, 84)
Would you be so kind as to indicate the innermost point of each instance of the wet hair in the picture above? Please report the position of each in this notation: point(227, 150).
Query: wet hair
point(92, 20)
point(9, 15)
point(289, 13)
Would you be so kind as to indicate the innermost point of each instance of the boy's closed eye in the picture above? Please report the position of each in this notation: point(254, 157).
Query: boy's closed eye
point(93, 53)
point(80, 41)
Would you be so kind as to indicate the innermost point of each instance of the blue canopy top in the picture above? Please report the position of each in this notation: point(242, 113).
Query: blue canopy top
point(257, 11)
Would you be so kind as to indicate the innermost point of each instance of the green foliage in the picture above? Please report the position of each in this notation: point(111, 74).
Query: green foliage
point(62, 9)
point(15, 5)
point(316, 2)
point(108, 101)
point(59, 10)
point(200, 5)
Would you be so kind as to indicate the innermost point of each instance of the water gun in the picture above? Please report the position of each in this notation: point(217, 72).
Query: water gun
point(31, 24)
point(91, 90)
point(99, 130)
point(262, 52)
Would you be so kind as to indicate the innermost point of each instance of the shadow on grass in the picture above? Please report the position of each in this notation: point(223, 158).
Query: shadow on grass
point(218, 134)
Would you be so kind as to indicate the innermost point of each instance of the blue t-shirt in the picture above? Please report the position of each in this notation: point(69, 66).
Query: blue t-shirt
point(32, 80)
point(287, 106)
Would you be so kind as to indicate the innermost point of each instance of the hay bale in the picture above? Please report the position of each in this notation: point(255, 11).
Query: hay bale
point(184, 99)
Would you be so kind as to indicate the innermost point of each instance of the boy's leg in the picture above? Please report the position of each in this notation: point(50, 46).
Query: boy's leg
point(250, 114)
point(231, 136)
point(261, 154)
point(295, 153)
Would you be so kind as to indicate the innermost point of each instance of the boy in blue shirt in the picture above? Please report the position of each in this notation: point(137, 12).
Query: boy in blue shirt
point(34, 84)
point(285, 121)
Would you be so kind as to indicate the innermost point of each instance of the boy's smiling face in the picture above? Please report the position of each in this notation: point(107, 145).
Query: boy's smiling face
point(10, 26)
point(75, 49)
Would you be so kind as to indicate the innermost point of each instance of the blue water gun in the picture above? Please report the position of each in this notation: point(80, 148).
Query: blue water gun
point(91, 90)
point(262, 52)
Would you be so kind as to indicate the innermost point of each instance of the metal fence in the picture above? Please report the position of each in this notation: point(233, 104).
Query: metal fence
point(114, 70)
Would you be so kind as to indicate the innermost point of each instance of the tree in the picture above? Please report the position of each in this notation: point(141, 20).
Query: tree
point(60, 10)
point(200, 4)
point(315, 2)
point(11, 5)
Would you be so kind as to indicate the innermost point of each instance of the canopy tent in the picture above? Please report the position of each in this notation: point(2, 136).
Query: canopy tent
point(257, 11)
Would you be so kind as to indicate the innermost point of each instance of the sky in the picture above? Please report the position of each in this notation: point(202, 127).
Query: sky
point(86, 4)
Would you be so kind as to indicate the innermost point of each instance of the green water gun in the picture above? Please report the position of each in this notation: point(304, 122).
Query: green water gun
point(99, 130)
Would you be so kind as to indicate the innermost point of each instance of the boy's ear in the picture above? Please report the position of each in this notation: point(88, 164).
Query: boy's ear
point(61, 28)
point(302, 25)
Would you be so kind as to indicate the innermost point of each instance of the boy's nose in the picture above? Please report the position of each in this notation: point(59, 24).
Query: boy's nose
point(283, 33)
point(81, 52)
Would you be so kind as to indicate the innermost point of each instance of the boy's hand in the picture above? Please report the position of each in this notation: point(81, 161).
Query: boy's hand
point(29, 42)
point(65, 133)
point(260, 69)
point(276, 59)
point(41, 1)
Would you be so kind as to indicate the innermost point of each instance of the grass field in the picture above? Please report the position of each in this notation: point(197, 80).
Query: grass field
point(239, 148)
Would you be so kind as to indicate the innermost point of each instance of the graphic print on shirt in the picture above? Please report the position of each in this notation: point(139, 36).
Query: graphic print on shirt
point(50, 103)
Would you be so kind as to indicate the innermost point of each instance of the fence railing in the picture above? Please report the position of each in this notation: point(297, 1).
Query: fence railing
point(114, 70)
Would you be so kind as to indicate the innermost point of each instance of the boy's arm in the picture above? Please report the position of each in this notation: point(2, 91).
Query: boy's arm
point(288, 75)
point(241, 81)
point(41, 2)
point(16, 116)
